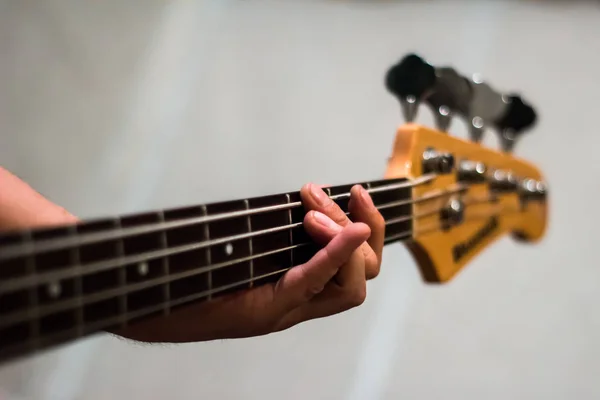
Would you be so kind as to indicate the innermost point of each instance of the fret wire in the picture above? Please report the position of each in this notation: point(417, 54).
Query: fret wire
point(207, 251)
point(249, 226)
point(289, 200)
point(75, 257)
point(54, 244)
point(120, 246)
point(165, 265)
point(24, 282)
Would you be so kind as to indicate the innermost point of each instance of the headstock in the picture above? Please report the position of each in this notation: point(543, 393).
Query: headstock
point(478, 194)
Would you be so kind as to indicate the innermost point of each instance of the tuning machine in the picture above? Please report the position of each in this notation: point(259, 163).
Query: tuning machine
point(449, 95)
point(410, 80)
point(516, 119)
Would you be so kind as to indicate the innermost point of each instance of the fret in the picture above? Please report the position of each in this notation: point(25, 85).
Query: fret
point(289, 216)
point(146, 270)
point(251, 263)
point(229, 250)
point(47, 261)
point(164, 244)
point(300, 254)
point(16, 267)
point(18, 336)
point(190, 260)
point(100, 281)
point(399, 217)
point(273, 241)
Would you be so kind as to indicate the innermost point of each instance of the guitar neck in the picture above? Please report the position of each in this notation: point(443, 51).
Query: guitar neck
point(67, 282)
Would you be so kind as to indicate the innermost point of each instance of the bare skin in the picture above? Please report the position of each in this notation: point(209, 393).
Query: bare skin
point(333, 281)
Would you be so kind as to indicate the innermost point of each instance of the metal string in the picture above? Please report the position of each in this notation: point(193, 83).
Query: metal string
point(131, 315)
point(17, 250)
point(55, 276)
point(121, 291)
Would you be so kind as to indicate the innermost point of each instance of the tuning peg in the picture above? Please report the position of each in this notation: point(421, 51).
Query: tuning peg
point(518, 117)
point(451, 94)
point(409, 81)
point(486, 105)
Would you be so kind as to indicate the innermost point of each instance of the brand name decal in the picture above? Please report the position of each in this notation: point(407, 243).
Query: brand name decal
point(462, 249)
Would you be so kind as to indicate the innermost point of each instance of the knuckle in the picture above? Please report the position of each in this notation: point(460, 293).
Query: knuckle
point(372, 264)
point(356, 296)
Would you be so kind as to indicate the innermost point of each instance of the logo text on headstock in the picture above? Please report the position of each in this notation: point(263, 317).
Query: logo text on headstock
point(462, 249)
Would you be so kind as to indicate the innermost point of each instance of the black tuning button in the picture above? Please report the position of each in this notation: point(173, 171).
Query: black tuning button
point(517, 118)
point(409, 81)
point(438, 163)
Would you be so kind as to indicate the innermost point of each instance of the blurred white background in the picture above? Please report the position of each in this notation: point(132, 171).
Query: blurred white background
point(120, 106)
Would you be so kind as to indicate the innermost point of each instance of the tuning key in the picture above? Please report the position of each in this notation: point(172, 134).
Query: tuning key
point(518, 117)
point(450, 94)
point(410, 80)
point(486, 106)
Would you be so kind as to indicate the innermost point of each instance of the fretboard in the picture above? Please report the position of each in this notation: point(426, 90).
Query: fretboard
point(60, 284)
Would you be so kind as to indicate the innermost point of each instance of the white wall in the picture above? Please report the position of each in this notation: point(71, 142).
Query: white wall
point(113, 107)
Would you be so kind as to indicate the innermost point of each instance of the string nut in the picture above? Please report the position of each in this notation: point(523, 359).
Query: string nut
point(436, 162)
point(471, 171)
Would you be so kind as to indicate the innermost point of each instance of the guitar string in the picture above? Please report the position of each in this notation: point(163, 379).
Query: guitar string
point(147, 311)
point(18, 250)
point(45, 310)
point(18, 283)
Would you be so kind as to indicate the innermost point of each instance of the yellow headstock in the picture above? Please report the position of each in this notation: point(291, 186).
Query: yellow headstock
point(490, 208)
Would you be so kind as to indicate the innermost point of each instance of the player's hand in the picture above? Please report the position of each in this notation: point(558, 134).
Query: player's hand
point(333, 281)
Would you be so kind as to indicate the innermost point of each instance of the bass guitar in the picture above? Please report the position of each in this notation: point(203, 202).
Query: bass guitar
point(445, 198)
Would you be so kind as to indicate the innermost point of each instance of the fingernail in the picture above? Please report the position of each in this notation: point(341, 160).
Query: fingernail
point(325, 221)
point(366, 197)
point(318, 195)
